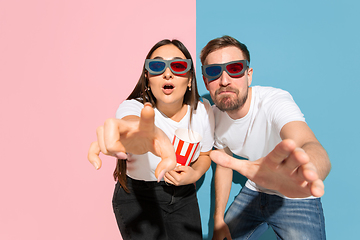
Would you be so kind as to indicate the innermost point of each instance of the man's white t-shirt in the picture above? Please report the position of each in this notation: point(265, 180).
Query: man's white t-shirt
point(142, 167)
point(256, 134)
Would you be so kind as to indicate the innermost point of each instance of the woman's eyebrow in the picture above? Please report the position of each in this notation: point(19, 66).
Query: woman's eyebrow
point(163, 58)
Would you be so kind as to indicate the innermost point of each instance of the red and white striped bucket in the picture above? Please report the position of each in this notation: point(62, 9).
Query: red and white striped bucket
point(187, 146)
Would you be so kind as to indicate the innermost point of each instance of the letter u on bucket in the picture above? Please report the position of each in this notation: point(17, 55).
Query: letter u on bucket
point(187, 146)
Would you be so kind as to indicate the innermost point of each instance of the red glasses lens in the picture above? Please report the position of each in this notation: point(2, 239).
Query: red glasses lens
point(178, 66)
point(234, 68)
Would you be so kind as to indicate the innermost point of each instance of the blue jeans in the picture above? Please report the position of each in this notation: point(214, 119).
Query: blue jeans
point(251, 213)
point(158, 211)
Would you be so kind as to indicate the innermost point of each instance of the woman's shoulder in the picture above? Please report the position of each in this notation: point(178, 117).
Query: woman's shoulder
point(129, 107)
point(137, 102)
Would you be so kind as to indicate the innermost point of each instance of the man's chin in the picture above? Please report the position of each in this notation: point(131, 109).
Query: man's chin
point(226, 105)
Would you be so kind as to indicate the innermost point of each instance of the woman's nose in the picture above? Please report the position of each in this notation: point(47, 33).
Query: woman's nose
point(168, 74)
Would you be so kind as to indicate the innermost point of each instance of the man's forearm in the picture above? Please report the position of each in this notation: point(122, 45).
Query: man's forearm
point(223, 181)
point(305, 139)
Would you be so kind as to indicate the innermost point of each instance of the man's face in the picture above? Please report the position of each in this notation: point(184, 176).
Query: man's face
point(228, 93)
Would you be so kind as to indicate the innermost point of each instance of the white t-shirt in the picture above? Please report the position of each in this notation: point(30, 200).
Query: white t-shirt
point(142, 167)
point(256, 134)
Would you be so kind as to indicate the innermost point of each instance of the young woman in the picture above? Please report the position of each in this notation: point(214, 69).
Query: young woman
point(149, 203)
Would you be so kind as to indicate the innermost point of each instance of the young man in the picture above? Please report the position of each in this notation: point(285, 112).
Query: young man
point(287, 164)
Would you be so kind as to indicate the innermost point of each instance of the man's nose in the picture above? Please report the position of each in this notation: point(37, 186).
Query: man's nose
point(225, 79)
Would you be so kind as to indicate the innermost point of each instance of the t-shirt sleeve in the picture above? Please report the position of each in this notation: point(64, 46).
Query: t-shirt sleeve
point(283, 109)
point(129, 107)
point(218, 144)
point(208, 128)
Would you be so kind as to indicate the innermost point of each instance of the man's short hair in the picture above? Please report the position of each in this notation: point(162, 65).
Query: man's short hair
point(222, 42)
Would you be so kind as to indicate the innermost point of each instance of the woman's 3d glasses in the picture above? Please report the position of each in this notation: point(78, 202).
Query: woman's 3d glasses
point(158, 66)
point(234, 69)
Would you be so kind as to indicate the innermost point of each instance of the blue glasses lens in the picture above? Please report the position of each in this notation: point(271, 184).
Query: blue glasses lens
point(213, 71)
point(156, 66)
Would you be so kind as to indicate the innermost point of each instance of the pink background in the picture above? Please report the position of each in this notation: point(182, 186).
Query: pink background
point(65, 66)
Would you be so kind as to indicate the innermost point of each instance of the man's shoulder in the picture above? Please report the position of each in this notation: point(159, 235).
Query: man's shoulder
point(267, 90)
point(265, 94)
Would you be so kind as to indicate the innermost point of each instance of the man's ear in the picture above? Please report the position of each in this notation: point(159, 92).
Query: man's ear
point(206, 82)
point(249, 73)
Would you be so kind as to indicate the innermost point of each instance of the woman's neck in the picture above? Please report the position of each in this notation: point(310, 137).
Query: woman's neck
point(174, 111)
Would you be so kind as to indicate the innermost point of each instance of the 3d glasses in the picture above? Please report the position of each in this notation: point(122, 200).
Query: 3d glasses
point(234, 69)
point(158, 66)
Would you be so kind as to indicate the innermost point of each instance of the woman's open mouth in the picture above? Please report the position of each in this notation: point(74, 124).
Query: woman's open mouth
point(168, 88)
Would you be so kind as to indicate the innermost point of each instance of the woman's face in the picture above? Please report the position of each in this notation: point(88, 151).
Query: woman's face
point(168, 88)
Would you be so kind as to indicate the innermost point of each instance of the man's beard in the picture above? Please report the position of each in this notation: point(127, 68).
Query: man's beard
point(228, 103)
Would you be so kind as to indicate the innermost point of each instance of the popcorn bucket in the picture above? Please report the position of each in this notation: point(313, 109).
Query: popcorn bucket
point(187, 146)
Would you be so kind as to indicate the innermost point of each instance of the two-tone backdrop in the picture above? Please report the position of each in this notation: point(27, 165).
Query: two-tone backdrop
point(65, 66)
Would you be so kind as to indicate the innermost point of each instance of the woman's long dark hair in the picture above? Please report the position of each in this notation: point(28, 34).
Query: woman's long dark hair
point(142, 94)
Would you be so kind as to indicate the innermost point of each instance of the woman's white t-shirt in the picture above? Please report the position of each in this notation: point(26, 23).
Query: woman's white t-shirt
point(142, 167)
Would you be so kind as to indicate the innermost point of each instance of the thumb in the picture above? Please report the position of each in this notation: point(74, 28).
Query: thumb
point(164, 166)
point(223, 159)
point(180, 168)
point(93, 155)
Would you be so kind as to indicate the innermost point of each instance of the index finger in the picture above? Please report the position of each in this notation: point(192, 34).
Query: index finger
point(147, 118)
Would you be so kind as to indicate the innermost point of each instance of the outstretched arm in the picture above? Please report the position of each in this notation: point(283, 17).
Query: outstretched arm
point(136, 135)
point(305, 139)
point(296, 167)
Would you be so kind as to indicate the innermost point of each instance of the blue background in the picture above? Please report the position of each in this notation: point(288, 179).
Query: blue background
point(311, 49)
